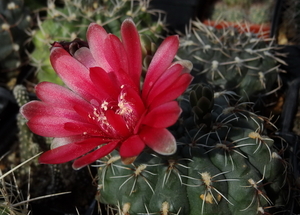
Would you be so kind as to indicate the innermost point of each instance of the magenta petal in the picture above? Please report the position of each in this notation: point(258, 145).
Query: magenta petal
point(104, 83)
point(164, 82)
point(50, 126)
point(59, 96)
point(115, 54)
point(74, 74)
point(61, 141)
point(163, 116)
point(131, 147)
point(84, 56)
point(42, 109)
point(132, 45)
point(134, 101)
point(96, 35)
point(69, 151)
point(83, 128)
point(117, 123)
point(95, 155)
point(48, 121)
point(160, 62)
point(168, 78)
point(173, 91)
point(158, 139)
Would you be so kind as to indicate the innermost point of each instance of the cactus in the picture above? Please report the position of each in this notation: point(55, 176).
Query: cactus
point(228, 166)
point(71, 21)
point(250, 11)
point(233, 60)
point(15, 25)
point(9, 198)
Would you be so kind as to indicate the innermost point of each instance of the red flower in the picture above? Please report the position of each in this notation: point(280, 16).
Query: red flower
point(104, 108)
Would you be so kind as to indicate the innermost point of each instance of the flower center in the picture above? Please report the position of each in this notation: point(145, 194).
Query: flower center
point(116, 119)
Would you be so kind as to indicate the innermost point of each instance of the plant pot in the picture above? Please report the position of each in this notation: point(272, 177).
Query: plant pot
point(178, 12)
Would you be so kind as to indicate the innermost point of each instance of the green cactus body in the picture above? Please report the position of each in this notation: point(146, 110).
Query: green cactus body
point(233, 60)
point(15, 24)
point(71, 21)
point(227, 166)
point(250, 11)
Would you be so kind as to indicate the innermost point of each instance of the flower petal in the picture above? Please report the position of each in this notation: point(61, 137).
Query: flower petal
point(74, 74)
point(42, 109)
point(117, 57)
point(83, 128)
point(173, 91)
point(160, 140)
point(95, 155)
point(70, 151)
point(50, 126)
point(117, 124)
point(84, 56)
point(131, 147)
point(104, 83)
point(132, 45)
point(115, 54)
point(61, 141)
point(163, 116)
point(165, 81)
point(59, 96)
point(160, 62)
point(130, 99)
point(96, 35)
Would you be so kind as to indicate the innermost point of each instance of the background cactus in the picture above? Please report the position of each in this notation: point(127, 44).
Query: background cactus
point(15, 25)
point(251, 11)
point(234, 60)
point(70, 21)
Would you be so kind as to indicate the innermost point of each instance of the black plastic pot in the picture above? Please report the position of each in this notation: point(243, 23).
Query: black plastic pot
point(291, 83)
point(178, 12)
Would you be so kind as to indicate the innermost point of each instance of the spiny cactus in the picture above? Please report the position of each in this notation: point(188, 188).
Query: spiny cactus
point(251, 11)
point(71, 21)
point(15, 25)
point(228, 166)
point(232, 60)
point(10, 196)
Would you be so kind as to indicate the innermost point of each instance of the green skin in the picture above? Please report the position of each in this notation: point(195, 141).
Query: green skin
point(229, 168)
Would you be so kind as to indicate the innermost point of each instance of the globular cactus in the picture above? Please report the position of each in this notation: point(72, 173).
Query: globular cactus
point(250, 11)
point(233, 60)
point(225, 164)
point(15, 25)
point(70, 21)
